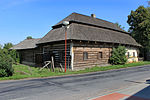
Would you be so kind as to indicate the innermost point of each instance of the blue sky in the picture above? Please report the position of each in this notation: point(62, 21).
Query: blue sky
point(22, 18)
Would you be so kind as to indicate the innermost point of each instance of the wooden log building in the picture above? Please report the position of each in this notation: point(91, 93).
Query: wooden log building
point(89, 43)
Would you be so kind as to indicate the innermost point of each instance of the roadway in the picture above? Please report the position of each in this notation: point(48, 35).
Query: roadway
point(75, 87)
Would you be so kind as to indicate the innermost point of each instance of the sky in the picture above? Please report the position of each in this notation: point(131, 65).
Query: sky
point(22, 18)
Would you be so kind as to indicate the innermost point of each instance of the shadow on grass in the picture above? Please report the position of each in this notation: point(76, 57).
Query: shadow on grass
point(143, 94)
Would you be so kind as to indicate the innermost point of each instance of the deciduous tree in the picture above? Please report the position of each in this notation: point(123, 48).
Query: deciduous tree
point(120, 26)
point(8, 46)
point(139, 22)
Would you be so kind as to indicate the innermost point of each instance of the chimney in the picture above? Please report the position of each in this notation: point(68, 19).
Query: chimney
point(93, 15)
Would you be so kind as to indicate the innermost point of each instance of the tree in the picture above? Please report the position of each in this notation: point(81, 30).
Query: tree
point(0, 46)
point(8, 46)
point(118, 56)
point(139, 22)
point(120, 26)
point(29, 37)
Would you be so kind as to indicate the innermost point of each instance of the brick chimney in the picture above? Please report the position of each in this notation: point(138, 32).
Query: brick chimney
point(93, 15)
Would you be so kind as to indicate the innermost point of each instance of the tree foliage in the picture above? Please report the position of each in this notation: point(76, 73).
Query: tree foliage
point(8, 46)
point(29, 37)
point(15, 56)
point(120, 26)
point(7, 58)
point(6, 68)
point(139, 22)
point(12, 53)
point(118, 56)
point(0, 46)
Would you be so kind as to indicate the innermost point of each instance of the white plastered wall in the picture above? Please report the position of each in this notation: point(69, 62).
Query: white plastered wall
point(131, 57)
point(72, 55)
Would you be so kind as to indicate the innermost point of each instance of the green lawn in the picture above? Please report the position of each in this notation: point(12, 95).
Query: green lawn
point(22, 71)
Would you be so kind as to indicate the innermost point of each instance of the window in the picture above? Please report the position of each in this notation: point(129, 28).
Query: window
point(128, 54)
point(100, 55)
point(133, 54)
point(85, 55)
point(46, 49)
point(61, 55)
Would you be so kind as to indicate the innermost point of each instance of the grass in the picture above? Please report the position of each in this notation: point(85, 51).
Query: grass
point(22, 71)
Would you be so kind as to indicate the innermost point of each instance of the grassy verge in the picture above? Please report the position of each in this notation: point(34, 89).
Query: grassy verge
point(22, 71)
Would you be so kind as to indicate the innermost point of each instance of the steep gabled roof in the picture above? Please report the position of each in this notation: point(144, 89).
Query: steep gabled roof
point(26, 44)
point(89, 20)
point(90, 29)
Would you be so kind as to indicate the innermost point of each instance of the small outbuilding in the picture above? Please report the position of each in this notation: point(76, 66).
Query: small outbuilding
point(27, 50)
point(89, 43)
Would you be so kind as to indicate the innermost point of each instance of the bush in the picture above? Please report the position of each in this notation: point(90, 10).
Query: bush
point(13, 53)
point(6, 68)
point(15, 56)
point(2, 73)
point(118, 56)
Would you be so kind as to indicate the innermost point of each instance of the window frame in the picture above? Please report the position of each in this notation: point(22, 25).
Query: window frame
point(128, 54)
point(100, 55)
point(133, 54)
point(85, 55)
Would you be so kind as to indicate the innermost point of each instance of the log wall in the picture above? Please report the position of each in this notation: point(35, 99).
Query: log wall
point(58, 52)
point(93, 51)
point(28, 56)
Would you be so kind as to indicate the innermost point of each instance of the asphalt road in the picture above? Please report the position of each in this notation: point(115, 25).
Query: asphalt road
point(76, 87)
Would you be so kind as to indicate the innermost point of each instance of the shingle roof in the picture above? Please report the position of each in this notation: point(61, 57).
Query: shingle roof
point(26, 44)
point(88, 33)
point(90, 20)
point(87, 28)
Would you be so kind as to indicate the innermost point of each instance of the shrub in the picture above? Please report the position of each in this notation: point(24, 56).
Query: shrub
point(6, 68)
point(13, 53)
point(2, 73)
point(118, 56)
point(15, 56)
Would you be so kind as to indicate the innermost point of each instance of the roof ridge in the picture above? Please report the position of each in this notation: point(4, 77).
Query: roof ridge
point(98, 19)
point(26, 44)
point(33, 39)
point(91, 17)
